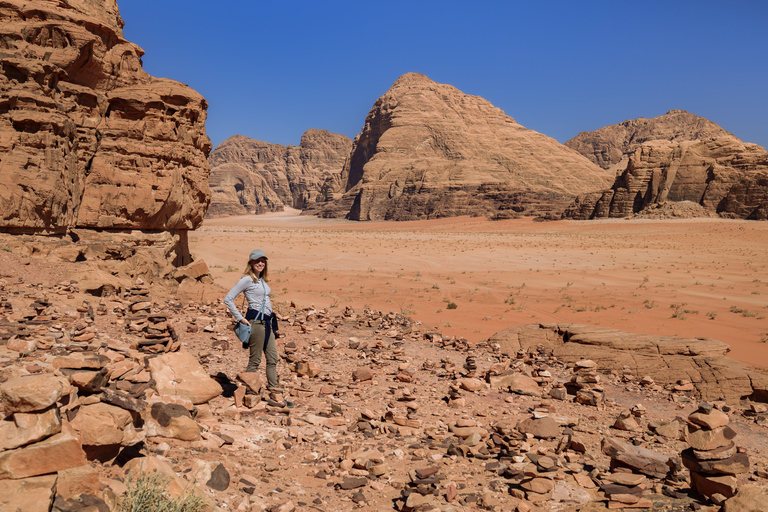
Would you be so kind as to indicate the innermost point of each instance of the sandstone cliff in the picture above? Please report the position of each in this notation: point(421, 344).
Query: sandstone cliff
point(88, 140)
point(428, 150)
point(250, 176)
point(724, 175)
point(609, 145)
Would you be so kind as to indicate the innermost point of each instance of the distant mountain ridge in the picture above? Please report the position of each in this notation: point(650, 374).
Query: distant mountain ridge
point(607, 146)
point(428, 150)
point(251, 176)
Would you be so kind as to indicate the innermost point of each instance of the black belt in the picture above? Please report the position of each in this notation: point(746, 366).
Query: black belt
point(252, 314)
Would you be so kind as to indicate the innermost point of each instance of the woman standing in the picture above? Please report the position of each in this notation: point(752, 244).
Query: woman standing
point(263, 321)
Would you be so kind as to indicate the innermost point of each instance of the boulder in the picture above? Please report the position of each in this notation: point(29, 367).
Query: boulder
point(749, 498)
point(541, 428)
point(31, 393)
point(102, 424)
point(637, 458)
point(25, 428)
point(173, 421)
point(181, 374)
point(56, 453)
point(33, 494)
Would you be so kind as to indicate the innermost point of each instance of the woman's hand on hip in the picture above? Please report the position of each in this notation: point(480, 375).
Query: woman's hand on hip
point(244, 321)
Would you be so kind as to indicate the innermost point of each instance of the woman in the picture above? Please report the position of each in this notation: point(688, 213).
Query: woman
point(263, 321)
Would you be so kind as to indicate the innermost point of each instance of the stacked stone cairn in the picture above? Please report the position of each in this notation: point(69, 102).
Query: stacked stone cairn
point(713, 458)
point(585, 383)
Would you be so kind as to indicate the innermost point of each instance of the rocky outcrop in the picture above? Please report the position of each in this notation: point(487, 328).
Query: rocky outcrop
point(609, 145)
point(250, 176)
point(724, 175)
point(666, 360)
point(88, 140)
point(428, 150)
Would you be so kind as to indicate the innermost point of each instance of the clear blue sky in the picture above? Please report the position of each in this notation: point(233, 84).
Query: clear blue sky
point(270, 70)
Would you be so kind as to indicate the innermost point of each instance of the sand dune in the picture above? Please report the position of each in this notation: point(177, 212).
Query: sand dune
point(691, 278)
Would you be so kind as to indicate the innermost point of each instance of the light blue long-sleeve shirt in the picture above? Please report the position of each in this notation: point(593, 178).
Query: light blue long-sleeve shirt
point(256, 293)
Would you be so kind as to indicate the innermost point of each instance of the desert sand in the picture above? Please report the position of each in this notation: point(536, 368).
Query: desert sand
point(688, 277)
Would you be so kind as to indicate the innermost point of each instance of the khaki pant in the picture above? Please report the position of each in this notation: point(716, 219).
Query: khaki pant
point(270, 350)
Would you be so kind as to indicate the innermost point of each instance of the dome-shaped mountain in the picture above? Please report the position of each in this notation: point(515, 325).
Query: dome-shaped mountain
point(428, 150)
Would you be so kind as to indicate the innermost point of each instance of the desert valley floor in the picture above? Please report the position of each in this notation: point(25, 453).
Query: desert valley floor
point(687, 277)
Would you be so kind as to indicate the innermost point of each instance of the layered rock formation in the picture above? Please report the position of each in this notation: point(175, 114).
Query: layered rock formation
point(665, 360)
point(88, 140)
point(250, 176)
point(609, 145)
point(724, 175)
point(428, 150)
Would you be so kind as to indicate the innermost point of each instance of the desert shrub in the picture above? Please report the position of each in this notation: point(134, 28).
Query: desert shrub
point(451, 305)
point(147, 494)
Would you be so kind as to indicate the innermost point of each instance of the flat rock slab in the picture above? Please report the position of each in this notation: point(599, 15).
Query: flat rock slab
point(639, 459)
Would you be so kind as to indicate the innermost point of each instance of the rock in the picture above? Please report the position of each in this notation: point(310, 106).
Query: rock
point(28, 494)
point(31, 393)
point(56, 453)
point(609, 145)
point(25, 428)
point(252, 380)
point(542, 428)
point(714, 484)
point(79, 480)
point(362, 374)
point(710, 420)
point(424, 153)
point(721, 175)
point(123, 150)
point(470, 384)
point(211, 474)
point(734, 465)
point(723, 452)
point(705, 440)
point(181, 374)
point(538, 485)
point(714, 376)
point(173, 421)
point(517, 383)
point(353, 483)
point(670, 429)
point(748, 498)
point(637, 458)
point(104, 425)
point(250, 176)
point(565, 493)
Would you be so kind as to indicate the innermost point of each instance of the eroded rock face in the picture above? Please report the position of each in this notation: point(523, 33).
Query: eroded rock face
point(87, 138)
point(428, 150)
point(702, 361)
point(609, 145)
point(724, 175)
point(250, 176)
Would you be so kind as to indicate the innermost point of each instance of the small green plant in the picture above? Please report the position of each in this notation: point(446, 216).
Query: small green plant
point(649, 304)
point(230, 268)
point(451, 305)
point(711, 315)
point(743, 312)
point(147, 494)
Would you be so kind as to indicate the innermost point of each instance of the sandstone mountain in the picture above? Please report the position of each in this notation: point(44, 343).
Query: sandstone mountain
point(250, 176)
point(427, 150)
point(609, 145)
point(724, 175)
point(90, 141)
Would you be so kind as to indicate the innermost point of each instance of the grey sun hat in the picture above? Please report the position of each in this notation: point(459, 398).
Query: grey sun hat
point(256, 255)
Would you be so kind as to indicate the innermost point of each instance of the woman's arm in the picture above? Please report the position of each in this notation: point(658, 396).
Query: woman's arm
point(229, 299)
